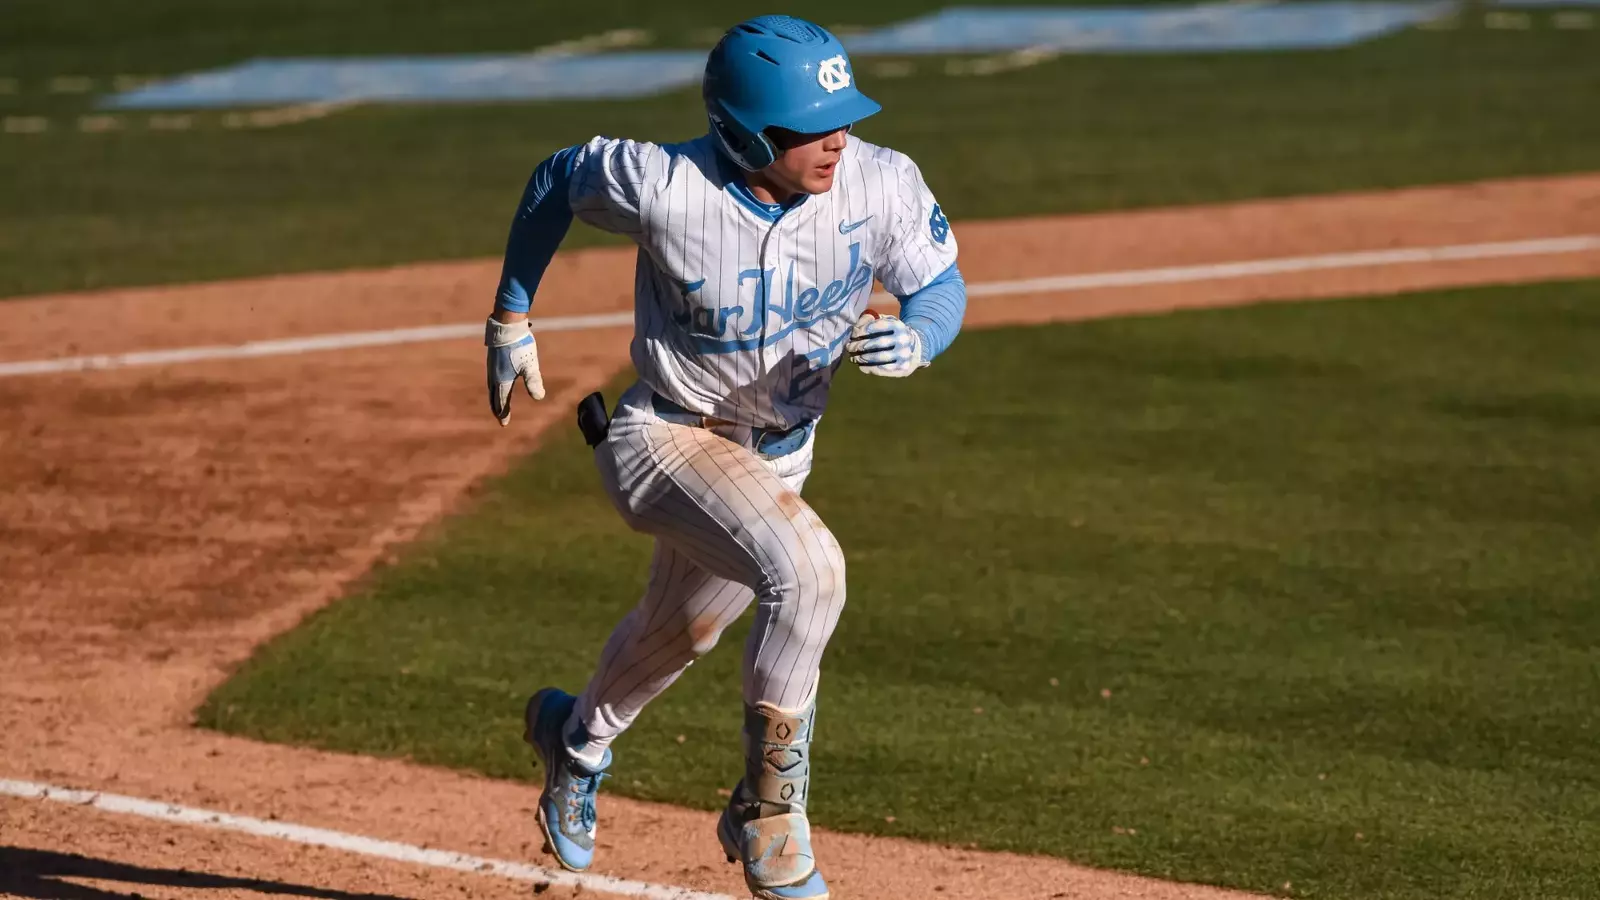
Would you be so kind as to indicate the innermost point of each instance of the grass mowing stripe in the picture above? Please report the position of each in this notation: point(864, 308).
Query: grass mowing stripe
point(1300, 593)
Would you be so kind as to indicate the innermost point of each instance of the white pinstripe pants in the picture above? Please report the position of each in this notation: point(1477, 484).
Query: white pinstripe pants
point(729, 527)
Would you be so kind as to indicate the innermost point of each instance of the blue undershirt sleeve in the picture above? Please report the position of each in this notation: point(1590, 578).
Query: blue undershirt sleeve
point(541, 222)
point(935, 311)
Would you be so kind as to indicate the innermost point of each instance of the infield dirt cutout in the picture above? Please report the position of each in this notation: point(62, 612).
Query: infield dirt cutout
point(161, 523)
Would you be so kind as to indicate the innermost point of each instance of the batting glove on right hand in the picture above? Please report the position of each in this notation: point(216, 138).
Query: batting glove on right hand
point(512, 352)
point(884, 345)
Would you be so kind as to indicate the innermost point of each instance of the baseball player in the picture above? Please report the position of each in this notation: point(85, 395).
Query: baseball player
point(758, 247)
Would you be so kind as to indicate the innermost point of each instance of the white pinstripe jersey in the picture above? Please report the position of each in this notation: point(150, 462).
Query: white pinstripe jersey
point(740, 317)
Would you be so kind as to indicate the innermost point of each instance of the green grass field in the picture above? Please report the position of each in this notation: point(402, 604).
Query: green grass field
point(1302, 593)
point(385, 185)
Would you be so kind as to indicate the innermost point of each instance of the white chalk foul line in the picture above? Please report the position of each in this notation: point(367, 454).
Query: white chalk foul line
point(289, 346)
point(1250, 268)
point(1051, 285)
point(351, 843)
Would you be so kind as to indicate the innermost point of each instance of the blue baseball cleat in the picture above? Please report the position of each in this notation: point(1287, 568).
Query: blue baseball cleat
point(566, 808)
point(779, 849)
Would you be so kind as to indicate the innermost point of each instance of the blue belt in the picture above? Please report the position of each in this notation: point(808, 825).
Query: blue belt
point(769, 443)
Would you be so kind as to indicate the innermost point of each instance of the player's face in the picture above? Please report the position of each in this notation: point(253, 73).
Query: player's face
point(806, 162)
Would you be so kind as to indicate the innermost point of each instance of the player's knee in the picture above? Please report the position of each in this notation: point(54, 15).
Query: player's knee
point(830, 589)
point(810, 572)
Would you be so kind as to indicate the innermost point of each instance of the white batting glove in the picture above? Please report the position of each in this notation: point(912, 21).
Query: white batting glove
point(512, 352)
point(884, 345)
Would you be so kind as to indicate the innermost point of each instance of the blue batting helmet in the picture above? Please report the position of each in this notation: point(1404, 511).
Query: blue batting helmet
point(778, 71)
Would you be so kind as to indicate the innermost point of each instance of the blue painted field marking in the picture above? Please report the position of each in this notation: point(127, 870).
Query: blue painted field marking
point(398, 79)
point(1545, 4)
point(1214, 27)
point(581, 75)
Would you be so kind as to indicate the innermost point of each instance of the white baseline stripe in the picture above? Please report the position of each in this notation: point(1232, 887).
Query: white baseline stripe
point(289, 346)
point(352, 843)
point(1055, 284)
point(1249, 268)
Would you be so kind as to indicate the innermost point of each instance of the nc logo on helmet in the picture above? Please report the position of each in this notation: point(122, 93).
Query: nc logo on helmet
point(833, 74)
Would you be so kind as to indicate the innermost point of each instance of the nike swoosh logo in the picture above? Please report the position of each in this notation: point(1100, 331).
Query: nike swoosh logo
point(846, 229)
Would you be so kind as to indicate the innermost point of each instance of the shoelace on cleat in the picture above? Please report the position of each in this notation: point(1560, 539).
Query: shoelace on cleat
point(581, 792)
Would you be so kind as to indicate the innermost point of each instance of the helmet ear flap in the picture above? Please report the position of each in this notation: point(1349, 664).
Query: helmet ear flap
point(752, 150)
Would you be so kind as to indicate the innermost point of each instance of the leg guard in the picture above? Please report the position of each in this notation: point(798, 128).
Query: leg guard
point(765, 824)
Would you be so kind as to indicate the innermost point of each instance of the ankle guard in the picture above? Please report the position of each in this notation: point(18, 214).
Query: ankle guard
point(765, 823)
point(777, 760)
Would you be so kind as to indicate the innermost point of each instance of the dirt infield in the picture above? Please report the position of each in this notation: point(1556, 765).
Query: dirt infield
point(159, 523)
